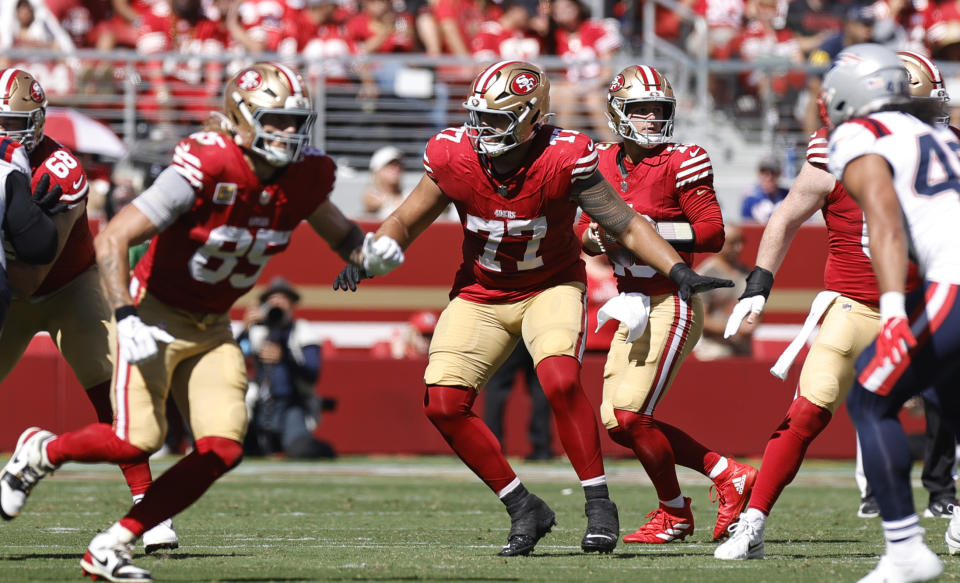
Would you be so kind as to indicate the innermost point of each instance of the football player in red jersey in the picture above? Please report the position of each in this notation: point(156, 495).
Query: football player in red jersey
point(229, 201)
point(671, 185)
point(516, 182)
point(47, 295)
point(849, 307)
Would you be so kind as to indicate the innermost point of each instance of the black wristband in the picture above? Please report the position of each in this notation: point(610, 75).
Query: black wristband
point(759, 283)
point(678, 271)
point(124, 311)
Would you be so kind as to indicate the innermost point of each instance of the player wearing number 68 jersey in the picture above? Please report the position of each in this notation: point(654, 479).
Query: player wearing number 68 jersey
point(516, 182)
point(47, 296)
point(229, 201)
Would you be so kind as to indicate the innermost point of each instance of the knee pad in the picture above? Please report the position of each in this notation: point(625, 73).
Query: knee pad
point(556, 342)
point(227, 452)
point(807, 419)
point(442, 403)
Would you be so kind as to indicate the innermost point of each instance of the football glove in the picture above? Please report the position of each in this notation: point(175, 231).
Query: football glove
point(48, 198)
point(381, 255)
point(753, 300)
point(350, 277)
point(137, 341)
point(892, 346)
point(690, 282)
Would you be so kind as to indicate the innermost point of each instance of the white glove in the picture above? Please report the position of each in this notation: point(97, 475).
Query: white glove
point(138, 341)
point(381, 255)
point(751, 305)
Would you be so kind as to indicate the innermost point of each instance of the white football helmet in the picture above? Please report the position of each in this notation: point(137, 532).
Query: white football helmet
point(518, 91)
point(636, 84)
point(864, 78)
point(23, 107)
point(926, 83)
point(270, 94)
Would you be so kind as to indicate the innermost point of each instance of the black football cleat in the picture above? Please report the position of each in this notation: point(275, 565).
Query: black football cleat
point(528, 524)
point(603, 526)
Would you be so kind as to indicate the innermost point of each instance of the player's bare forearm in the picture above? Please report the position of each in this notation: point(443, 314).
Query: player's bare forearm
point(130, 227)
point(807, 195)
point(599, 200)
point(417, 212)
point(869, 181)
point(344, 236)
point(114, 263)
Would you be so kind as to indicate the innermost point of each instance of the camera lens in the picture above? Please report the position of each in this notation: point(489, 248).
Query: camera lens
point(276, 317)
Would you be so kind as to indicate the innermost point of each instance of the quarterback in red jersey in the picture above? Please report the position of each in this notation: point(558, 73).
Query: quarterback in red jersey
point(47, 296)
point(849, 307)
point(516, 182)
point(671, 185)
point(228, 202)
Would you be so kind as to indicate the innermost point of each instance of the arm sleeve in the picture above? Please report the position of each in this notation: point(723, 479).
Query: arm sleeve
point(31, 233)
point(167, 198)
point(701, 208)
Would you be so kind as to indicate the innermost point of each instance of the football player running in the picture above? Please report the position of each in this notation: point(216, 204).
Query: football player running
point(47, 296)
point(885, 158)
point(671, 185)
point(516, 182)
point(849, 307)
point(229, 201)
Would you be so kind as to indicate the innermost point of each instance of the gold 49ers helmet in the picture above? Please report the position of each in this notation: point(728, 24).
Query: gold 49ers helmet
point(270, 94)
point(640, 84)
point(23, 107)
point(926, 83)
point(508, 103)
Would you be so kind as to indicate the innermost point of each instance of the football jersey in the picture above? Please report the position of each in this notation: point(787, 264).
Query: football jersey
point(582, 49)
point(213, 253)
point(493, 42)
point(848, 269)
point(49, 157)
point(664, 186)
point(518, 236)
point(926, 177)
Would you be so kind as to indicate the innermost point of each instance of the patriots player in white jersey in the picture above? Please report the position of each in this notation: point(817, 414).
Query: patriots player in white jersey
point(905, 173)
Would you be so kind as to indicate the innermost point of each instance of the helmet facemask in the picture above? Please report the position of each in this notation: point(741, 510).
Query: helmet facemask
point(23, 107)
point(22, 126)
point(627, 128)
point(279, 148)
point(509, 102)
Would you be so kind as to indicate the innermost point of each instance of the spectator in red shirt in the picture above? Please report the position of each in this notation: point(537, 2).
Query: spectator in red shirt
point(321, 38)
point(378, 28)
point(766, 39)
point(508, 37)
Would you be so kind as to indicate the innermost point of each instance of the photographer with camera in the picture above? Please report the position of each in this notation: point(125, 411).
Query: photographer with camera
point(287, 360)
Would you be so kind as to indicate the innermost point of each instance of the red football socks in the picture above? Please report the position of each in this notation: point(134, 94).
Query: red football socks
point(450, 411)
point(94, 443)
point(785, 450)
point(576, 421)
point(137, 474)
point(687, 451)
point(184, 483)
point(653, 450)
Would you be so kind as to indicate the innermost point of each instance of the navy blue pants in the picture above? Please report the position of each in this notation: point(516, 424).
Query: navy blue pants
point(934, 312)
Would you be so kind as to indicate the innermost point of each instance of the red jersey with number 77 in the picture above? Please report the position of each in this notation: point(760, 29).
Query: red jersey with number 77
point(214, 252)
point(518, 237)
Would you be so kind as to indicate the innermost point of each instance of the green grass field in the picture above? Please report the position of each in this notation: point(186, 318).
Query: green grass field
point(429, 519)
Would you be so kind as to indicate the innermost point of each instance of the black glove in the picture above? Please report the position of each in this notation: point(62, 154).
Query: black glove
point(350, 277)
point(690, 282)
point(48, 198)
point(759, 283)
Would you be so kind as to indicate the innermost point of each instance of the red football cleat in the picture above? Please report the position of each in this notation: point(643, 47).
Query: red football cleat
point(733, 492)
point(666, 524)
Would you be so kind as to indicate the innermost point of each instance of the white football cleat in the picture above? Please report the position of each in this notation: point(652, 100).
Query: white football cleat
point(952, 536)
point(745, 542)
point(161, 537)
point(110, 556)
point(923, 565)
point(25, 468)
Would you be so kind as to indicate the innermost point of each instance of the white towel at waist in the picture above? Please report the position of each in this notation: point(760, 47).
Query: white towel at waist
point(633, 309)
point(817, 309)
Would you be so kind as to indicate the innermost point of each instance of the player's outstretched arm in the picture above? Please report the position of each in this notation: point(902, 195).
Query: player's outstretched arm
point(600, 201)
point(807, 195)
point(418, 211)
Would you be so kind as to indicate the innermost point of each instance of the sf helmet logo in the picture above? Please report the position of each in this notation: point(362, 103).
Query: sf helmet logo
point(616, 84)
point(249, 80)
point(524, 83)
point(36, 93)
